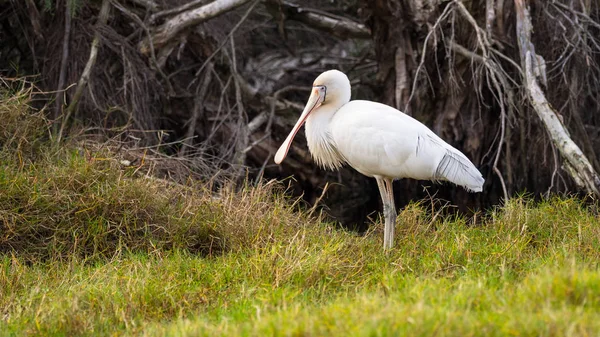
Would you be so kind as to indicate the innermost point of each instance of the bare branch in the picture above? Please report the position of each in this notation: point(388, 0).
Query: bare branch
point(150, 5)
point(85, 76)
point(173, 27)
point(581, 170)
point(177, 10)
point(336, 25)
point(63, 62)
point(447, 11)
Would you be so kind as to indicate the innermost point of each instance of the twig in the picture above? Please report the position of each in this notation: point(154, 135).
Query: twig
point(275, 103)
point(261, 172)
point(439, 20)
point(214, 128)
point(502, 135)
point(257, 121)
point(256, 142)
point(482, 39)
point(554, 172)
point(312, 210)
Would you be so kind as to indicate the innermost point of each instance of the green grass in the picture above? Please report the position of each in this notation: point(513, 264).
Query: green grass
point(89, 247)
point(529, 270)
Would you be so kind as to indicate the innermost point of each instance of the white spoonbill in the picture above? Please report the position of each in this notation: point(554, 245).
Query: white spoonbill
point(378, 141)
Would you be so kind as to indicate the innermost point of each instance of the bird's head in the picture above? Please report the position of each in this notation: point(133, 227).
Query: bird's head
point(334, 86)
point(331, 88)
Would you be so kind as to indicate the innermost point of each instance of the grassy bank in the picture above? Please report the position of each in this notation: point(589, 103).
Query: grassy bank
point(90, 246)
point(529, 270)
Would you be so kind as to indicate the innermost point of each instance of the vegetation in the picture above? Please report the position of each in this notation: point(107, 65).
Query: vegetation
point(154, 232)
point(89, 245)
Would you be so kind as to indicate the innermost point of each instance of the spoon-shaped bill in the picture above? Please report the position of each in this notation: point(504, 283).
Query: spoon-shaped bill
point(314, 101)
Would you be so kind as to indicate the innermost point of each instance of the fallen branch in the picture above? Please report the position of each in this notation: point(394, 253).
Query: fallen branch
point(173, 27)
point(177, 10)
point(85, 76)
point(578, 165)
point(336, 25)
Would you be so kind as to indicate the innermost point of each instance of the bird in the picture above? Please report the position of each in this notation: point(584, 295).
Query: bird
point(378, 141)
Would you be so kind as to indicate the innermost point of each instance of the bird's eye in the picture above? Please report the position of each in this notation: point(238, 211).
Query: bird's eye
point(323, 91)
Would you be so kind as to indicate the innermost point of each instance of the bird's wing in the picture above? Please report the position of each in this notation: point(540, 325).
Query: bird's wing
point(379, 140)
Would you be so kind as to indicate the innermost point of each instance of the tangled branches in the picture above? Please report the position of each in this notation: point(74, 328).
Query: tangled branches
point(218, 83)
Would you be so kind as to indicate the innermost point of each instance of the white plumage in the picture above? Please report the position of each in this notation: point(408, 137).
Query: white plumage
point(378, 141)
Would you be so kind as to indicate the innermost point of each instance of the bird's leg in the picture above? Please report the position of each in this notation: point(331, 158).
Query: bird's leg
point(390, 215)
point(384, 196)
point(388, 209)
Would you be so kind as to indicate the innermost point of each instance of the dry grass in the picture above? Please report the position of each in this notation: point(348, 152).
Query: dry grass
point(22, 129)
point(75, 203)
point(81, 200)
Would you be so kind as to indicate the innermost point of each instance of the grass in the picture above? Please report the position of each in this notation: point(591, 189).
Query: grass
point(90, 247)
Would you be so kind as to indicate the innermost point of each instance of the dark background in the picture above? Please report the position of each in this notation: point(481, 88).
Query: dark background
point(221, 95)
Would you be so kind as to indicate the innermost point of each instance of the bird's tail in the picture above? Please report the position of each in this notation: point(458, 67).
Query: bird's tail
point(456, 168)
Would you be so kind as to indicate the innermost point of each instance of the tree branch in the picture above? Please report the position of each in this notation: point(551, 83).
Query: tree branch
point(85, 76)
point(177, 10)
point(63, 62)
point(174, 26)
point(578, 165)
point(336, 25)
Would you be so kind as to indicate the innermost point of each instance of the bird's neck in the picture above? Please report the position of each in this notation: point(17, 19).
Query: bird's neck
point(320, 142)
